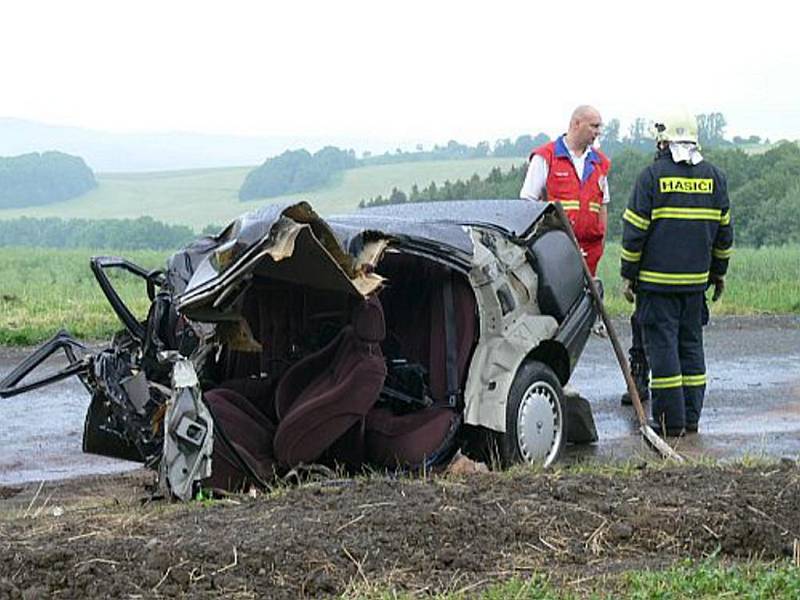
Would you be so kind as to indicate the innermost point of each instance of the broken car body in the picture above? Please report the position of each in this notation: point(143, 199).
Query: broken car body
point(387, 338)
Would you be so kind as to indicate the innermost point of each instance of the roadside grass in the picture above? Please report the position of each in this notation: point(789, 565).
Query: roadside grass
point(697, 579)
point(645, 461)
point(712, 578)
point(760, 281)
point(44, 290)
point(204, 196)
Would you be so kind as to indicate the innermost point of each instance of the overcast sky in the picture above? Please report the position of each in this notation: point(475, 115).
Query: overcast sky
point(408, 71)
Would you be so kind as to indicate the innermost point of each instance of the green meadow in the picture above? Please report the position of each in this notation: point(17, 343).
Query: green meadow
point(760, 281)
point(205, 196)
point(45, 289)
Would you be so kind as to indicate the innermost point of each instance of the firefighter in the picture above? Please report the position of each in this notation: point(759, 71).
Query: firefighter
point(677, 239)
point(569, 170)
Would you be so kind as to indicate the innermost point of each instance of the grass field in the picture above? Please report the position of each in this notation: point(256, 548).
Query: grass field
point(760, 148)
point(764, 280)
point(200, 197)
point(705, 579)
point(46, 289)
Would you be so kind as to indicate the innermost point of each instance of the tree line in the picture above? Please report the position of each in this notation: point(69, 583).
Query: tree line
point(120, 234)
point(764, 190)
point(454, 150)
point(299, 171)
point(710, 133)
point(35, 179)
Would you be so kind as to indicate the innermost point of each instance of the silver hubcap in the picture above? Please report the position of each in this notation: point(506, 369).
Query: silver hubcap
point(540, 424)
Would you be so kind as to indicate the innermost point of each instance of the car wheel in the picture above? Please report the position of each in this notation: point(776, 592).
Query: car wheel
point(535, 417)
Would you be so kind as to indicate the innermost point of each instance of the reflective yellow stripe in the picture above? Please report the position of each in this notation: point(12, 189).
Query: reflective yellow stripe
point(570, 204)
point(693, 380)
point(635, 220)
point(725, 219)
point(631, 256)
point(673, 278)
point(576, 205)
point(663, 383)
point(720, 253)
point(685, 212)
point(685, 185)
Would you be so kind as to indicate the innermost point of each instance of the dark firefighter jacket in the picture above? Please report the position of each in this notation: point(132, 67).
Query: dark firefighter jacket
point(677, 228)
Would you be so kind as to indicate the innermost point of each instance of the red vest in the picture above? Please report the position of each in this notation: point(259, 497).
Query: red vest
point(581, 199)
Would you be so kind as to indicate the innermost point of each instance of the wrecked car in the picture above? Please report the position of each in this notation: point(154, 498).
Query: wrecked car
point(389, 339)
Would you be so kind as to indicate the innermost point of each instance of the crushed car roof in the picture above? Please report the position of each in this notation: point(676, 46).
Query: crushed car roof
point(512, 216)
point(431, 220)
point(438, 225)
point(506, 214)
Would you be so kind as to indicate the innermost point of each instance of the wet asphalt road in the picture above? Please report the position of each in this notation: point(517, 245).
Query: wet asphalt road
point(752, 406)
point(41, 431)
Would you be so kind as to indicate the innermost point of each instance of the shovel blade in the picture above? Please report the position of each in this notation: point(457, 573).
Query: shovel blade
point(659, 445)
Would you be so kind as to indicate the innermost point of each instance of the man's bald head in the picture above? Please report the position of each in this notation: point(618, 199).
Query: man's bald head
point(584, 127)
point(585, 112)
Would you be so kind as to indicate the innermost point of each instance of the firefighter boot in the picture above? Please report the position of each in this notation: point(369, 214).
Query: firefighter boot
point(641, 377)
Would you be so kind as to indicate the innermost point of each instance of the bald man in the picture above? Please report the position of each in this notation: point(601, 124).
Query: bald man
point(570, 171)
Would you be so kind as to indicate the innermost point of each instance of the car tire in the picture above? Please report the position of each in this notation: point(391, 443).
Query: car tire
point(536, 431)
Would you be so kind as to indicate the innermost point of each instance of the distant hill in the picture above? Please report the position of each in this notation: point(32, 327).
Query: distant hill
point(295, 171)
point(203, 196)
point(35, 179)
point(126, 152)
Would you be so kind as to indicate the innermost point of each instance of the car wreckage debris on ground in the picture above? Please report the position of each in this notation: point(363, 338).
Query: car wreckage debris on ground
point(391, 339)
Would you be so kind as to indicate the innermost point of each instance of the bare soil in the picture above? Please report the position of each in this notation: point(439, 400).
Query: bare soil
point(106, 536)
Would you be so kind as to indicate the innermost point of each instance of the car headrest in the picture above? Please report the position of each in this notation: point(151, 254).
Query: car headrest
point(368, 322)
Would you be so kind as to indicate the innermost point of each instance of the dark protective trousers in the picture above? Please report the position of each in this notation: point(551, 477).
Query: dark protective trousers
point(637, 342)
point(672, 325)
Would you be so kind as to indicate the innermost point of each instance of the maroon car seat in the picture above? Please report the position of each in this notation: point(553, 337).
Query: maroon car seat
point(324, 395)
point(425, 437)
point(249, 432)
point(410, 440)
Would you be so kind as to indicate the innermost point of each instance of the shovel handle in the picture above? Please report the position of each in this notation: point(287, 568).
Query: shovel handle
point(612, 334)
point(650, 436)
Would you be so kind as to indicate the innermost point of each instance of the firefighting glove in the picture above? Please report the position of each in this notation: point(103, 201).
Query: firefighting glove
point(718, 281)
point(628, 290)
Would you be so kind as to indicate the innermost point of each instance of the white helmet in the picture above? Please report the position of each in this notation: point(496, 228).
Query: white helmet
point(679, 127)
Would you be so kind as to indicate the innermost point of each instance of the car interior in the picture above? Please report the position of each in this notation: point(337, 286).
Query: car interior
point(345, 382)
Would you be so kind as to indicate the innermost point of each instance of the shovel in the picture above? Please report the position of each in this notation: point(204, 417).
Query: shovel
point(650, 436)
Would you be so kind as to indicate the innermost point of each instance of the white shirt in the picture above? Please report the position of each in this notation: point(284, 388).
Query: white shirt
point(535, 185)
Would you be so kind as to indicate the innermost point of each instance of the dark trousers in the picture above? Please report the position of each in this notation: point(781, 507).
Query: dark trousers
point(637, 339)
point(673, 340)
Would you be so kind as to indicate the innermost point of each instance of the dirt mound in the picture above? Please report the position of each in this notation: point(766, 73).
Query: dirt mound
point(96, 537)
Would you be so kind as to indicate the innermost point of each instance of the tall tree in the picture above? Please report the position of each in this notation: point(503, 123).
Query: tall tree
point(711, 129)
point(609, 139)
